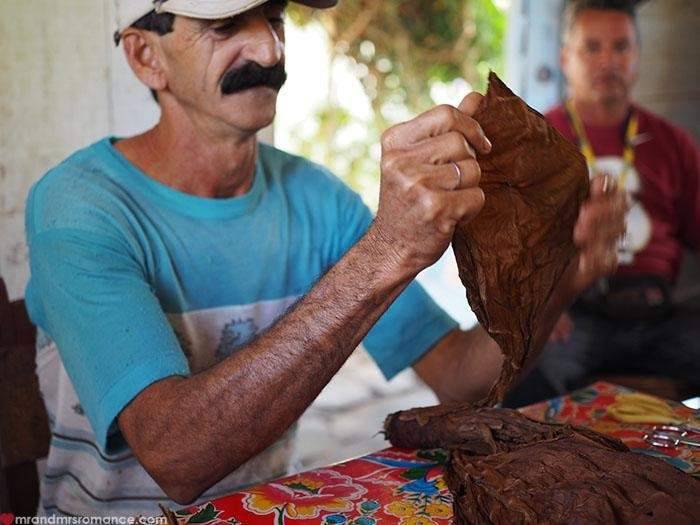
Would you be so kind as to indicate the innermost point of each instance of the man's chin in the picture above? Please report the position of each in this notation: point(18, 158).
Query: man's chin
point(609, 89)
point(251, 109)
point(611, 97)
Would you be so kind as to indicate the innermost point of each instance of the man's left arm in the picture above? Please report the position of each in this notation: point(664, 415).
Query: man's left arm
point(464, 365)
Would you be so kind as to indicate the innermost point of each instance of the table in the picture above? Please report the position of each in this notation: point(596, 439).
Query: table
point(406, 486)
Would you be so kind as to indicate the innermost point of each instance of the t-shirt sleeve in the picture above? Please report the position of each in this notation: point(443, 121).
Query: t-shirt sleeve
point(413, 324)
point(89, 293)
point(689, 208)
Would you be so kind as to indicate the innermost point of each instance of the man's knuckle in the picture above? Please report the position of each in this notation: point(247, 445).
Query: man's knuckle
point(455, 143)
point(412, 188)
point(391, 162)
point(447, 114)
point(430, 203)
point(472, 171)
point(387, 138)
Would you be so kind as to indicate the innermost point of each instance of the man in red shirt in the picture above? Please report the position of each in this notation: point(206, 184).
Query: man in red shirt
point(626, 323)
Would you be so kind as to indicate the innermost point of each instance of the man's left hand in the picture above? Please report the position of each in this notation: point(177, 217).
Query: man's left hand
point(598, 230)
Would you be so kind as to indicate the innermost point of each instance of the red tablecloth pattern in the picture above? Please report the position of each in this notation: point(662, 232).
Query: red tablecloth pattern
point(588, 408)
point(406, 487)
point(390, 486)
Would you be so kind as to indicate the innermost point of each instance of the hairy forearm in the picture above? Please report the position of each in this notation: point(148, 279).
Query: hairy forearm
point(248, 400)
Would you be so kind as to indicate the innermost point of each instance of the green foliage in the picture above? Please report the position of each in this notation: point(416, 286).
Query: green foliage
point(398, 50)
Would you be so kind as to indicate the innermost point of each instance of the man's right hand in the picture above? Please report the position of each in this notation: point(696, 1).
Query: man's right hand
point(422, 196)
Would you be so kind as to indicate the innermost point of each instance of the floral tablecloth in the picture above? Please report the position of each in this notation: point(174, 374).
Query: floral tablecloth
point(406, 486)
point(588, 407)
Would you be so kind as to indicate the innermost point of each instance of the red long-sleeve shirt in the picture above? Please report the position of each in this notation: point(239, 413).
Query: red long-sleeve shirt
point(665, 186)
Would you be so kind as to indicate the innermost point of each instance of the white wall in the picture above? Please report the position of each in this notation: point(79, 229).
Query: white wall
point(63, 85)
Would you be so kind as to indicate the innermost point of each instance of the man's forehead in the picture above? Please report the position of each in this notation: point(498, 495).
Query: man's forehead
point(603, 24)
point(603, 20)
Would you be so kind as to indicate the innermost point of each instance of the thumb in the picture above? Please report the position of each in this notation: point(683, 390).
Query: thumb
point(471, 103)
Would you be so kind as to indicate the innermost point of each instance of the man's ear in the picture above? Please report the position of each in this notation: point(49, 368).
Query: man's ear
point(142, 52)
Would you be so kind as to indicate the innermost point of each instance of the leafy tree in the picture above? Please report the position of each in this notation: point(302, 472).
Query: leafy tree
point(400, 50)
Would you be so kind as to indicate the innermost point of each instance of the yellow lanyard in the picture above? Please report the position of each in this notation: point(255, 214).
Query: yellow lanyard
point(587, 149)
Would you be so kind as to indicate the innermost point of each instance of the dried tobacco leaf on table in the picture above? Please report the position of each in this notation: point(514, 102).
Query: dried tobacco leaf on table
point(570, 480)
point(476, 430)
point(507, 468)
point(512, 254)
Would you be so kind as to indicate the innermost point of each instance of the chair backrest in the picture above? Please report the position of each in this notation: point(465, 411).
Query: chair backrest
point(24, 429)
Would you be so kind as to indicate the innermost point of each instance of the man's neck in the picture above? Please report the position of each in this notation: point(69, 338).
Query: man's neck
point(187, 158)
point(595, 113)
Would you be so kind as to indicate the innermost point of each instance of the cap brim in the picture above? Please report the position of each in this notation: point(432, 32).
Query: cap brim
point(321, 4)
point(223, 9)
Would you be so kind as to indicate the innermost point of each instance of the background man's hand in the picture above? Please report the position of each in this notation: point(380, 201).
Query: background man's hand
point(598, 230)
point(422, 196)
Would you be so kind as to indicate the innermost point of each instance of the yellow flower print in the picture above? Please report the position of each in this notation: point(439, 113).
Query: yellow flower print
point(439, 510)
point(400, 509)
point(440, 484)
point(417, 520)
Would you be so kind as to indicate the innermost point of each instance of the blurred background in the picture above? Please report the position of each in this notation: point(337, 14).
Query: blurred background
point(353, 72)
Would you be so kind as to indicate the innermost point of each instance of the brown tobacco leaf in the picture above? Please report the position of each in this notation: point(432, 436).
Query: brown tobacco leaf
point(507, 468)
point(570, 480)
point(479, 431)
point(512, 254)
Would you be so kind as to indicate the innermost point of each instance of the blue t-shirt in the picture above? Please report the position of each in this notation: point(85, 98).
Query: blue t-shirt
point(133, 281)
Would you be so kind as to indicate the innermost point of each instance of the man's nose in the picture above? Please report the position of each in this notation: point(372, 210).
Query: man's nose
point(263, 44)
point(608, 58)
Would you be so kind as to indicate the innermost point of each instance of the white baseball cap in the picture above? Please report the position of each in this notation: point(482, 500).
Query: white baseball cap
point(129, 11)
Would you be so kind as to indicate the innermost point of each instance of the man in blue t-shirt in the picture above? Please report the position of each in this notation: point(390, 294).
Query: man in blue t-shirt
point(195, 290)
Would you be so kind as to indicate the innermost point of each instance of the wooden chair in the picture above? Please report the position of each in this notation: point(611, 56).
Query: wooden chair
point(24, 429)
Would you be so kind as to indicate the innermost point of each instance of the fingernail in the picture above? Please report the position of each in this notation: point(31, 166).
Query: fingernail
point(488, 143)
point(606, 183)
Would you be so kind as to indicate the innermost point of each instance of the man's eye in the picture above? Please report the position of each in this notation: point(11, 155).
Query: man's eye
point(226, 28)
point(622, 46)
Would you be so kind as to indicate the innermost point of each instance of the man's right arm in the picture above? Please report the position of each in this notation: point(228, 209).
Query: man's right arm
point(248, 400)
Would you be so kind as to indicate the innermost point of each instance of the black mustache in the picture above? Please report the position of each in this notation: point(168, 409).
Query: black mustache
point(253, 75)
